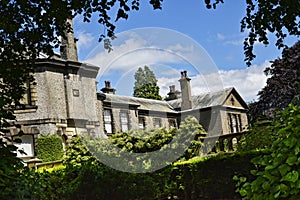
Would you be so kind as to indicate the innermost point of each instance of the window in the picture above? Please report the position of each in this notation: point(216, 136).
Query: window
point(30, 96)
point(234, 122)
point(157, 122)
point(26, 145)
point(142, 123)
point(124, 121)
point(107, 121)
point(172, 123)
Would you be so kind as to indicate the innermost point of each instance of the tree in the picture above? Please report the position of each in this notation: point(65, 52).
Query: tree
point(145, 85)
point(28, 28)
point(279, 17)
point(283, 86)
point(276, 175)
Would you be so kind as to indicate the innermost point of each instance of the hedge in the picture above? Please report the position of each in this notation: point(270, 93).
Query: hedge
point(211, 177)
point(198, 178)
point(49, 148)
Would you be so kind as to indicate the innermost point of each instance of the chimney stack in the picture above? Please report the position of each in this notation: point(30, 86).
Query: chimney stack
point(186, 96)
point(173, 94)
point(107, 89)
point(68, 49)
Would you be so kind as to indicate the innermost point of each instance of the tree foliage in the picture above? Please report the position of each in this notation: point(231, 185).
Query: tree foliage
point(283, 85)
point(28, 28)
point(140, 141)
point(145, 85)
point(279, 17)
point(10, 167)
point(259, 137)
point(277, 172)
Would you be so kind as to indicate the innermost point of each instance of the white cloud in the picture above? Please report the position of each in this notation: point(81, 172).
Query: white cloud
point(236, 42)
point(135, 52)
point(85, 40)
point(246, 81)
point(220, 36)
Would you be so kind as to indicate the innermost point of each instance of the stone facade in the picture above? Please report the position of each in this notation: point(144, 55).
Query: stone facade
point(63, 100)
point(66, 102)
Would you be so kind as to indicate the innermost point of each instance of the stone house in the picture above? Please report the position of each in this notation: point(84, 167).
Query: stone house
point(64, 100)
point(122, 113)
point(220, 112)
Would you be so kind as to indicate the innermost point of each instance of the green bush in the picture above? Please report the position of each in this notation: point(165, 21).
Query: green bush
point(87, 178)
point(260, 136)
point(209, 177)
point(139, 141)
point(49, 148)
point(277, 173)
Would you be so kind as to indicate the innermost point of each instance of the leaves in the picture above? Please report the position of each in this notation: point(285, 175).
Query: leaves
point(291, 176)
point(145, 85)
point(283, 85)
point(262, 17)
point(49, 148)
point(278, 170)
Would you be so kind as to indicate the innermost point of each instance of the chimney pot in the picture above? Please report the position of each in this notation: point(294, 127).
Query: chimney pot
point(172, 88)
point(107, 89)
point(107, 84)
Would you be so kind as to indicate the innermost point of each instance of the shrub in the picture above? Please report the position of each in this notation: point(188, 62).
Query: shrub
point(139, 141)
point(87, 178)
point(277, 173)
point(260, 136)
point(209, 177)
point(49, 148)
point(10, 170)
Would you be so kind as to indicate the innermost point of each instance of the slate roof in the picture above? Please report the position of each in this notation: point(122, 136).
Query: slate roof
point(142, 103)
point(200, 101)
point(209, 99)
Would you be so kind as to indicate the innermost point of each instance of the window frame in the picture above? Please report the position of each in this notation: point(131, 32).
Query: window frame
point(143, 119)
point(124, 124)
point(22, 146)
point(108, 123)
point(155, 124)
point(234, 122)
point(172, 121)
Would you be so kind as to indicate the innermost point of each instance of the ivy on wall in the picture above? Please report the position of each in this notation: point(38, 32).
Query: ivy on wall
point(49, 148)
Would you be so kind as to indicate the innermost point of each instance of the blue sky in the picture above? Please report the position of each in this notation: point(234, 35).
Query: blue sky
point(187, 30)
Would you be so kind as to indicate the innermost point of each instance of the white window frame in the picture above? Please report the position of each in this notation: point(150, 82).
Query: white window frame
point(234, 122)
point(107, 118)
point(27, 145)
point(124, 120)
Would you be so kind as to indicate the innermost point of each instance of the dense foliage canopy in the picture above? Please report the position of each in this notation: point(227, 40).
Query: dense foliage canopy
point(283, 85)
point(145, 85)
point(277, 172)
